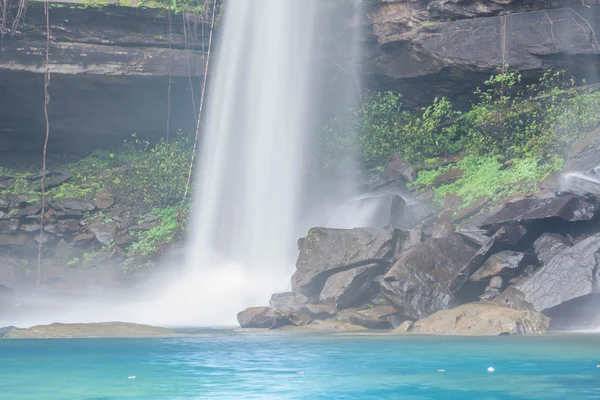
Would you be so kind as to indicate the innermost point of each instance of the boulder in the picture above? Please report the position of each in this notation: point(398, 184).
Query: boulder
point(505, 238)
point(383, 211)
point(421, 281)
point(23, 200)
point(472, 209)
point(288, 301)
point(104, 232)
point(490, 292)
point(269, 318)
point(482, 319)
point(496, 282)
point(572, 273)
point(404, 327)
point(325, 252)
point(104, 200)
point(469, 229)
point(4, 202)
point(536, 209)
point(319, 311)
point(63, 252)
point(30, 227)
point(345, 288)
point(548, 245)
point(443, 226)
point(584, 155)
point(71, 205)
point(371, 318)
point(398, 168)
point(508, 264)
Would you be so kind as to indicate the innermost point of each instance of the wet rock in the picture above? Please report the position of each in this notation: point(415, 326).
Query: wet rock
point(269, 318)
point(125, 240)
point(452, 201)
point(404, 327)
point(68, 214)
point(43, 238)
point(63, 252)
point(580, 184)
point(67, 226)
point(489, 293)
point(472, 209)
point(469, 229)
point(104, 200)
point(288, 301)
point(30, 210)
point(30, 227)
point(9, 226)
point(14, 240)
point(508, 264)
point(482, 319)
point(83, 238)
point(448, 177)
point(325, 252)
point(548, 245)
point(398, 168)
point(504, 239)
point(23, 200)
point(535, 209)
point(319, 311)
point(53, 179)
point(496, 282)
point(584, 155)
point(513, 298)
point(345, 288)
point(384, 211)
point(104, 232)
point(71, 205)
point(443, 226)
point(371, 318)
point(4, 202)
point(420, 282)
point(570, 274)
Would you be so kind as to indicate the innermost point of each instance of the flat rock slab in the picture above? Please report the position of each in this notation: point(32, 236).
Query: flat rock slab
point(481, 319)
point(96, 330)
point(532, 209)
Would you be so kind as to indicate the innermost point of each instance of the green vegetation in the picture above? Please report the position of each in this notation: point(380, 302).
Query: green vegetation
point(511, 134)
point(165, 232)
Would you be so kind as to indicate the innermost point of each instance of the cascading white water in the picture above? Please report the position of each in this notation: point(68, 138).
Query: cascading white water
point(246, 204)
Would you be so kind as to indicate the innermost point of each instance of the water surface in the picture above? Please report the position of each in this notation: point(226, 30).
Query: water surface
point(237, 365)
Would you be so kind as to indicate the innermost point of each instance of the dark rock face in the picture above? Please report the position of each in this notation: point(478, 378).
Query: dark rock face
point(104, 233)
point(548, 245)
point(480, 38)
point(572, 273)
point(508, 264)
point(288, 301)
point(104, 200)
point(420, 282)
point(345, 288)
point(325, 252)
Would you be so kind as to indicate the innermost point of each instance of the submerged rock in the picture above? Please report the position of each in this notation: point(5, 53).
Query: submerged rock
point(96, 330)
point(344, 288)
point(325, 252)
point(570, 274)
point(420, 282)
point(482, 319)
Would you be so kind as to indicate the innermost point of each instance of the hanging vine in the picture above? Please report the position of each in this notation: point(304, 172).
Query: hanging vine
point(199, 115)
point(47, 120)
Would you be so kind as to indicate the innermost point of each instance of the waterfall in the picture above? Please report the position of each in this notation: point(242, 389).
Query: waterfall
point(242, 244)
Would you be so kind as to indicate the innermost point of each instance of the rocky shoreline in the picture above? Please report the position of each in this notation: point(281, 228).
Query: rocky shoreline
point(526, 265)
